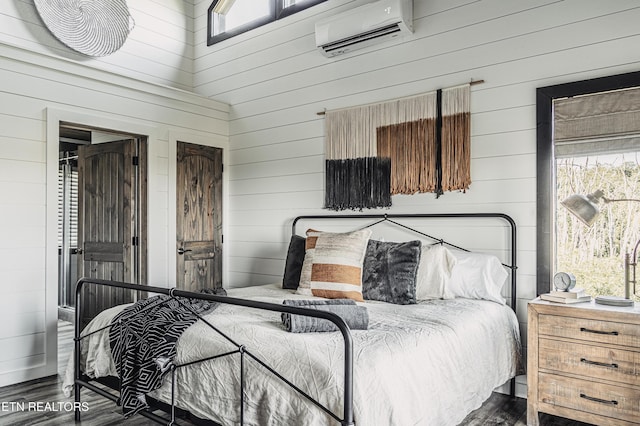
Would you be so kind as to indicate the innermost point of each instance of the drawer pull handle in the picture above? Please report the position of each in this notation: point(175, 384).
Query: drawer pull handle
point(599, 364)
point(601, 401)
point(610, 333)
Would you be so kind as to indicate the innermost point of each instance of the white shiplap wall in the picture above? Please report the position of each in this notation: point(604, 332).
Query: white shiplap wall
point(159, 49)
point(275, 81)
point(36, 92)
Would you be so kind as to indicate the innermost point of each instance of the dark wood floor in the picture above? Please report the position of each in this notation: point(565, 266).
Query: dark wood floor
point(497, 410)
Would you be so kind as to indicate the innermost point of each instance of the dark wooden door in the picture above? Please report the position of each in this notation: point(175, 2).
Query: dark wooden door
point(106, 208)
point(199, 217)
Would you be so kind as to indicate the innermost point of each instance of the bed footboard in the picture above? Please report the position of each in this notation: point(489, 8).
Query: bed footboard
point(81, 381)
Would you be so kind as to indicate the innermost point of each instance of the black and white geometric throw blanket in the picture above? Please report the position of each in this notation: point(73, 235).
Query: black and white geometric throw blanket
point(143, 341)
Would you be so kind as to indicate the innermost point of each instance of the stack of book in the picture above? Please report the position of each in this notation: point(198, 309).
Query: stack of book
point(575, 295)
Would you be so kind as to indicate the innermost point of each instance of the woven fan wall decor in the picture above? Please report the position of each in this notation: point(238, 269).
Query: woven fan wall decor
point(90, 27)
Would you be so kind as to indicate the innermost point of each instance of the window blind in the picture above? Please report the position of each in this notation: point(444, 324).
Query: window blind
point(72, 182)
point(607, 122)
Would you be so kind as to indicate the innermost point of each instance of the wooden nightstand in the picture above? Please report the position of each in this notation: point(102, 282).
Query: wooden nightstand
point(584, 363)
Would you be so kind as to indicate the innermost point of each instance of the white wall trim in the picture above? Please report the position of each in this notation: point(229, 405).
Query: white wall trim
point(206, 140)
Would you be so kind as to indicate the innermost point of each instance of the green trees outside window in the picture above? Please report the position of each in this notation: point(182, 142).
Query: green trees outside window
point(596, 255)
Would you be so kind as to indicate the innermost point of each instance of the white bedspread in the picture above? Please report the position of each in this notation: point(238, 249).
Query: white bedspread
point(425, 364)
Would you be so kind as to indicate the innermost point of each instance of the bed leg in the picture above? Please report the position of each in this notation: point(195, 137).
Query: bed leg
point(76, 407)
point(242, 349)
point(76, 350)
point(173, 394)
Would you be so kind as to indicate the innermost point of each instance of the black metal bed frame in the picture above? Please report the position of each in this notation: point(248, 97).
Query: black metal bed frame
point(84, 381)
point(390, 216)
point(348, 415)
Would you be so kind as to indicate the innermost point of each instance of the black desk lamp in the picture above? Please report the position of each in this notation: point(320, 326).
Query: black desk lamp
point(586, 209)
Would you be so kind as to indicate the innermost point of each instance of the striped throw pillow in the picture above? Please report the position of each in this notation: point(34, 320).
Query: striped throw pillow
point(304, 286)
point(336, 269)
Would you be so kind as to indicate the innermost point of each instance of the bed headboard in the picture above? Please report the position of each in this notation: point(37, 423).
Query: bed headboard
point(396, 219)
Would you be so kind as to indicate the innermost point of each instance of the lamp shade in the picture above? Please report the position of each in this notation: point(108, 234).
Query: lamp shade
point(584, 208)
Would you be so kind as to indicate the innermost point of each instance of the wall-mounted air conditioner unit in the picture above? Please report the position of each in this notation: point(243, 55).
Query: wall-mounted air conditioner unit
point(363, 26)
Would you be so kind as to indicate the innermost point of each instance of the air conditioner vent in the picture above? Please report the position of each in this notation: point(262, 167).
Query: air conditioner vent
point(386, 32)
point(363, 26)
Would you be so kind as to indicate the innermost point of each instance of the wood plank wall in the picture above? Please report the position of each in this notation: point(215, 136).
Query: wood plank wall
point(275, 81)
point(31, 85)
point(159, 49)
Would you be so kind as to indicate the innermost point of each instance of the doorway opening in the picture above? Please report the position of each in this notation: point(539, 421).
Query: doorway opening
point(101, 214)
point(70, 139)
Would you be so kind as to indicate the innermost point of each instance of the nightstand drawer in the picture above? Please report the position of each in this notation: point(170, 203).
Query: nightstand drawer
point(615, 333)
point(596, 398)
point(594, 362)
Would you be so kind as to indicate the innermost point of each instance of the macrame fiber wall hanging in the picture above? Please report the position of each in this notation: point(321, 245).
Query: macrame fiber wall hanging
point(397, 147)
point(456, 139)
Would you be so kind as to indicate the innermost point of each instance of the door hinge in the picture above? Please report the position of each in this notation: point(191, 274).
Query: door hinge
point(221, 168)
point(135, 241)
point(221, 238)
point(136, 160)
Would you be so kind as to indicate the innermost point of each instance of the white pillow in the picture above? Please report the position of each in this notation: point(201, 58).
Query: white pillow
point(434, 272)
point(477, 276)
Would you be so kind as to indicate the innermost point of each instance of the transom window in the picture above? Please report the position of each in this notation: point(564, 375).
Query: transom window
point(228, 18)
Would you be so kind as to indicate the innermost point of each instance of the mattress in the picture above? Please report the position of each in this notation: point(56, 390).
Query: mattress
point(425, 364)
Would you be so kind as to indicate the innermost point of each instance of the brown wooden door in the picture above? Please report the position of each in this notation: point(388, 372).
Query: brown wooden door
point(106, 208)
point(199, 217)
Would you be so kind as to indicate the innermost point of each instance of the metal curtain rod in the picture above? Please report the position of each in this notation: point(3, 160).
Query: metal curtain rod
point(471, 83)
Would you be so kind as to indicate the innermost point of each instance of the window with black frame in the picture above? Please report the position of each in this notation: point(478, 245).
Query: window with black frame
point(596, 140)
point(588, 144)
point(228, 18)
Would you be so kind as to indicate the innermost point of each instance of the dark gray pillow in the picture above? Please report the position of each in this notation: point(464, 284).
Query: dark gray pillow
point(293, 264)
point(389, 271)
